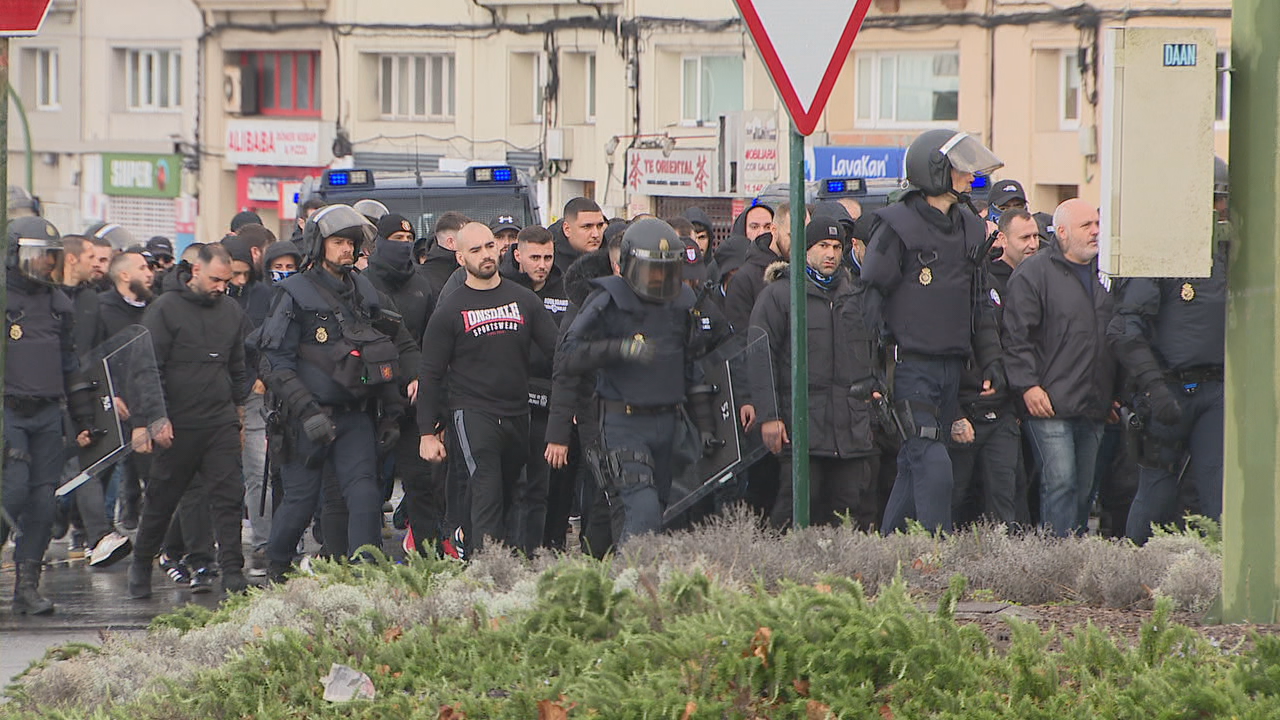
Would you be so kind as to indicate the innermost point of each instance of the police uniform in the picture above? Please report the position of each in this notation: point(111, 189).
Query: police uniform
point(40, 371)
point(1170, 335)
point(635, 333)
point(922, 263)
point(329, 369)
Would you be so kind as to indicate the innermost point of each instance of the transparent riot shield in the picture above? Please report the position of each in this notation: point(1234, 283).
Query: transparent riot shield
point(127, 395)
point(738, 373)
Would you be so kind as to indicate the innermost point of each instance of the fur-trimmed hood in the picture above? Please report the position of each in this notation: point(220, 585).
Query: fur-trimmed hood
point(777, 270)
point(577, 280)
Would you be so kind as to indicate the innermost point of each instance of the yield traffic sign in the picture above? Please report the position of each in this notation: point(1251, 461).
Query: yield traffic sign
point(804, 44)
point(20, 18)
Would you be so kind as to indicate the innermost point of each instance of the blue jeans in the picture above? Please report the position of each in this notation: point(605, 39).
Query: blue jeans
point(1066, 452)
point(923, 487)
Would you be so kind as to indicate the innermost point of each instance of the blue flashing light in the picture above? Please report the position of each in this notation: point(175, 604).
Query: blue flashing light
point(980, 181)
point(837, 186)
point(503, 174)
point(339, 178)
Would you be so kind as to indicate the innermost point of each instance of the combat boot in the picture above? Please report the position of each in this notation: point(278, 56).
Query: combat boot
point(27, 599)
point(140, 578)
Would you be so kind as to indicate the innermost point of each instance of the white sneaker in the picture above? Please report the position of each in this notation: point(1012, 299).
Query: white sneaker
point(111, 548)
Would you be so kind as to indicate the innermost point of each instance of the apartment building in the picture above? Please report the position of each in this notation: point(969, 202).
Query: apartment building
point(644, 105)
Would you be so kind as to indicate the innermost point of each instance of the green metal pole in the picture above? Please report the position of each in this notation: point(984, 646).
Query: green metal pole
point(26, 136)
point(1251, 545)
point(799, 340)
point(4, 207)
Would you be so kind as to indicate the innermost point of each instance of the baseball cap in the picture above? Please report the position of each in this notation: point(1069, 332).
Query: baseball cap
point(394, 223)
point(823, 228)
point(1006, 190)
point(694, 268)
point(502, 222)
point(160, 246)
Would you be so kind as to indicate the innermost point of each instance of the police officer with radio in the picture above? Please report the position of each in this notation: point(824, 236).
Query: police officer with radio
point(924, 258)
point(332, 371)
point(636, 334)
point(42, 372)
point(1170, 335)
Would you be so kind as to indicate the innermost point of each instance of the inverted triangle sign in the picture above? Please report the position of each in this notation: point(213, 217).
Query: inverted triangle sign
point(804, 43)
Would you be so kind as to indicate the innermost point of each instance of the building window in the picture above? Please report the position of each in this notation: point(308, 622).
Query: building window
point(591, 88)
point(47, 97)
point(712, 86)
point(908, 89)
point(539, 85)
point(153, 79)
point(1222, 104)
point(417, 87)
point(286, 83)
point(1069, 99)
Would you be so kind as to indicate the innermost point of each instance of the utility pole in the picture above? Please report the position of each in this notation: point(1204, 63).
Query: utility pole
point(1251, 460)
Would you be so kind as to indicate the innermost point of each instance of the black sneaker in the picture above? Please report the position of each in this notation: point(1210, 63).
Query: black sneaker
point(201, 581)
point(177, 570)
point(234, 582)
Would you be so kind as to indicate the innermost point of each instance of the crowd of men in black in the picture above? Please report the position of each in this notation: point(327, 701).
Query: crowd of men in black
point(962, 365)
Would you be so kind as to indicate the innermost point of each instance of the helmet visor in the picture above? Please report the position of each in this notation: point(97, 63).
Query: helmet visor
point(968, 155)
point(655, 275)
point(40, 260)
point(345, 221)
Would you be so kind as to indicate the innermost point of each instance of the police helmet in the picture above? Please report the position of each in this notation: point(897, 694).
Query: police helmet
point(117, 235)
point(35, 249)
point(1221, 179)
point(933, 154)
point(371, 209)
point(651, 260)
point(334, 220)
point(21, 203)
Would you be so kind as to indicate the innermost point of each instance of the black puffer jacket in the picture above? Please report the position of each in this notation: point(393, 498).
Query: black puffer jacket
point(840, 354)
point(571, 396)
point(199, 348)
point(747, 283)
point(1056, 336)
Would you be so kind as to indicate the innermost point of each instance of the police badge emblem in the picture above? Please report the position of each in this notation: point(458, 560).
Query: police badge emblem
point(926, 276)
point(1188, 292)
point(322, 335)
point(15, 331)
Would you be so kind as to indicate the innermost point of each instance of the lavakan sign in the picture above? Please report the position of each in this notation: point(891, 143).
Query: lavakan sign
point(153, 176)
point(291, 143)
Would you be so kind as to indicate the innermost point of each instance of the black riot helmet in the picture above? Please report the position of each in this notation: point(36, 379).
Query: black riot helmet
point(931, 157)
point(650, 260)
point(35, 249)
point(340, 220)
point(371, 209)
point(1221, 179)
point(120, 238)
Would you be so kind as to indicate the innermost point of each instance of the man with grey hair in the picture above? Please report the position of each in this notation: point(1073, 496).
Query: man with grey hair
point(1058, 360)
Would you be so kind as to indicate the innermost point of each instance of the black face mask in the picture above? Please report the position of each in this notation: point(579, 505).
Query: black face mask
point(235, 290)
point(395, 254)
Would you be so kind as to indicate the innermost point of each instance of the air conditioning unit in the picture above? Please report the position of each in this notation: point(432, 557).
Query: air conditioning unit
point(239, 90)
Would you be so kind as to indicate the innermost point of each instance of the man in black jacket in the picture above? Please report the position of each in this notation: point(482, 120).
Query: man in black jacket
point(198, 336)
point(988, 467)
point(841, 446)
point(1058, 360)
point(922, 259)
point(442, 259)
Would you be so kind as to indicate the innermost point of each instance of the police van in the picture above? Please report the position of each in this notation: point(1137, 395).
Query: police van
point(871, 195)
point(482, 193)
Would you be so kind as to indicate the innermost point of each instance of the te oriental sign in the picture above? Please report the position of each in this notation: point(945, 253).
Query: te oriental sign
point(289, 143)
point(683, 173)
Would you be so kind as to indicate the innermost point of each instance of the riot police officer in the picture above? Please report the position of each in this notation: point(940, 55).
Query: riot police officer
point(331, 372)
point(42, 371)
point(923, 259)
point(636, 333)
point(1170, 335)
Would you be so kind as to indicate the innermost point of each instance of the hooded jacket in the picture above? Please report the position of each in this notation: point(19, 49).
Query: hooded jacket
point(566, 255)
point(115, 313)
point(1057, 336)
point(571, 394)
point(747, 283)
point(439, 265)
point(199, 350)
point(409, 290)
point(840, 354)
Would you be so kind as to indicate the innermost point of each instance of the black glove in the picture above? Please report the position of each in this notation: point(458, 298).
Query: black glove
point(637, 349)
point(319, 428)
point(710, 444)
point(388, 436)
point(1164, 407)
point(994, 374)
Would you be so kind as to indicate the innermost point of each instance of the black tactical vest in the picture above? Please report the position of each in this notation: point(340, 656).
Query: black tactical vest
point(33, 342)
point(662, 381)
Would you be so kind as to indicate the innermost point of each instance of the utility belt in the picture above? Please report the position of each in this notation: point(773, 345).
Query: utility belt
point(1195, 375)
point(28, 406)
point(357, 406)
point(901, 356)
point(620, 407)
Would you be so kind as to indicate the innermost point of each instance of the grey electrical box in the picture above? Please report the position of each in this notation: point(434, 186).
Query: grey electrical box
point(1158, 104)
